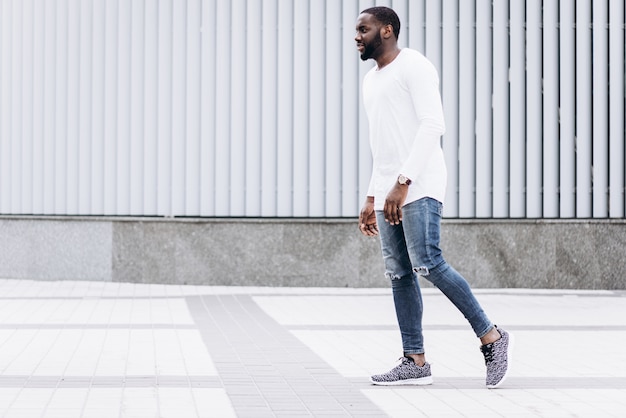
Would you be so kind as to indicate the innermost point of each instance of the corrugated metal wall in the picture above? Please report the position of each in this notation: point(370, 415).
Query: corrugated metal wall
point(252, 108)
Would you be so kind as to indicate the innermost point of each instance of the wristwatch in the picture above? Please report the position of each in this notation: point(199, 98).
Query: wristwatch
point(402, 179)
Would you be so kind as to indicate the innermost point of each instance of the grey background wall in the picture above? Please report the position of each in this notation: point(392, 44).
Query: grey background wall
point(247, 108)
point(246, 116)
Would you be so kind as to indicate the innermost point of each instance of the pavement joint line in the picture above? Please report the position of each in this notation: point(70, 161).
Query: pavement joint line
point(334, 292)
point(592, 328)
point(513, 383)
point(109, 381)
point(78, 326)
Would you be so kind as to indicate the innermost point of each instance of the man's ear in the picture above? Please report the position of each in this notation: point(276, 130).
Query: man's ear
point(386, 31)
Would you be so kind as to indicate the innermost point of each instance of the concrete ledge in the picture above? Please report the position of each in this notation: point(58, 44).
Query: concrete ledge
point(564, 254)
point(552, 254)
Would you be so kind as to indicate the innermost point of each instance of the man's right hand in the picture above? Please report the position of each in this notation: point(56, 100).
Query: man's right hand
point(367, 218)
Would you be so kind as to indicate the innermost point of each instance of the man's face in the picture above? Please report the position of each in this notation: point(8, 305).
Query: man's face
point(368, 39)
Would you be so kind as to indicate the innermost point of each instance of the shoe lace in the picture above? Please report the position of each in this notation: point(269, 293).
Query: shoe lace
point(487, 350)
point(402, 362)
point(405, 360)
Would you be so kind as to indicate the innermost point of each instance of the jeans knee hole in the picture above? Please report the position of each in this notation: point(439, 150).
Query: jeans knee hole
point(392, 276)
point(421, 271)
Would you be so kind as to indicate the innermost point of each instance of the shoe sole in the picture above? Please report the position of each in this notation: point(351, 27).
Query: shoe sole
point(422, 381)
point(509, 358)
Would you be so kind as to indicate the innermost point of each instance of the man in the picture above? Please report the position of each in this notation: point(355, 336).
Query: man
point(405, 195)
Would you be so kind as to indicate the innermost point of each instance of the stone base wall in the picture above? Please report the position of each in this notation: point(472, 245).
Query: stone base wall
point(565, 254)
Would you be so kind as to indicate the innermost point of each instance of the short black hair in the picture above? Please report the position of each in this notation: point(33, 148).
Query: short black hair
point(386, 16)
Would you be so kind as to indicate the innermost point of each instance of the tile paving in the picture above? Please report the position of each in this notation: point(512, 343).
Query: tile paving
point(93, 349)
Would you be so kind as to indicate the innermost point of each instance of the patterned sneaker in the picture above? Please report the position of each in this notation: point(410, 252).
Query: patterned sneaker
point(405, 373)
point(497, 356)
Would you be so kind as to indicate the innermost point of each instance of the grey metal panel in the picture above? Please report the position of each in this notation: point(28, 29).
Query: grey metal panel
point(467, 110)
point(550, 110)
point(284, 110)
point(209, 104)
point(332, 108)
point(450, 99)
point(301, 128)
point(517, 111)
point(317, 108)
point(600, 96)
point(351, 142)
point(254, 122)
point(501, 114)
point(234, 181)
point(567, 114)
point(584, 134)
point(534, 121)
point(249, 108)
point(616, 111)
point(221, 162)
point(267, 166)
point(484, 116)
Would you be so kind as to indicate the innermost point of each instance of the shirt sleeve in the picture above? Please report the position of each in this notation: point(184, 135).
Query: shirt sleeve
point(370, 188)
point(423, 84)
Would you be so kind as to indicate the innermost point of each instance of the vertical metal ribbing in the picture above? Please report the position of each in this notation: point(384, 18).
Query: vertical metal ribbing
point(550, 70)
point(567, 116)
point(584, 102)
point(450, 98)
point(484, 118)
point(616, 110)
point(209, 104)
point(600, 109)
point(237, 175)
point(251, 111)
point(517, 131)
point(223, 80)
point(300, 134)
point(181, 108)
point(316, 112)
point(332, 112)
point(189, 161)
point(350, 87)
point(285, 109)
point(534, 120)
point(501, 109)
point(268, 164)
point(6, 29)
point(467, 110)
point(242, 108)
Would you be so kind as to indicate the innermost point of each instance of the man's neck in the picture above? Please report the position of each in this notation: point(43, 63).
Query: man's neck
point(386, 58)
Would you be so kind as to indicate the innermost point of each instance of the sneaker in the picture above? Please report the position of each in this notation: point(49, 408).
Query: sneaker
point(497, 356)
point(405, 373)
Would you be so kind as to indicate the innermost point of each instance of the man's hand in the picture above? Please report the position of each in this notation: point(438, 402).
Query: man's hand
point(393, 203)
point(367, 218)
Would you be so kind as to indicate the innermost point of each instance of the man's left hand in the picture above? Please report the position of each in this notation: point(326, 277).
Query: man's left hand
point(393, 203)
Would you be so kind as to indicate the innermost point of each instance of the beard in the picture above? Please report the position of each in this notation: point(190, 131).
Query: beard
point(370, 48)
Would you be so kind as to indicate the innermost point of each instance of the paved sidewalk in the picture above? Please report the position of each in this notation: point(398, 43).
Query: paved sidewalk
point(90, 349)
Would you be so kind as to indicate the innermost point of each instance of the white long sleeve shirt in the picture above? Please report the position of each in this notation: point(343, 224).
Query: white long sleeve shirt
point(406, 122)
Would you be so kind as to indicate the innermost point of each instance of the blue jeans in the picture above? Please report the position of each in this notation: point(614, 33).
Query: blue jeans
point(411, 249)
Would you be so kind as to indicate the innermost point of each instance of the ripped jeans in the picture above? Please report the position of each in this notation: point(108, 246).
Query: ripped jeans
point(411, 249)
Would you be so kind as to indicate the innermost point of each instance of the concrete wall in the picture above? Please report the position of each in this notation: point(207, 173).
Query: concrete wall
point(308, 252)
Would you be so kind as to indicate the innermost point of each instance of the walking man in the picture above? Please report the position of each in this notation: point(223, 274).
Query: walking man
point(404, 199)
